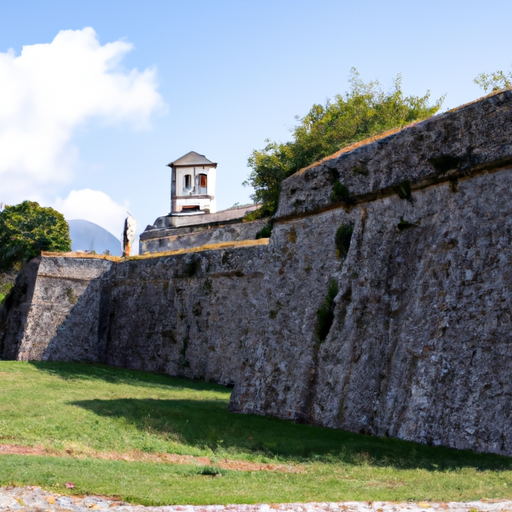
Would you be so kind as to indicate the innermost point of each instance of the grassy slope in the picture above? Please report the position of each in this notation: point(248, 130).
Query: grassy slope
point(92, 407)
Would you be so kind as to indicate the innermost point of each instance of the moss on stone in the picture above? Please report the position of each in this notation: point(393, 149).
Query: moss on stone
point(342, 240)
point(325, 313)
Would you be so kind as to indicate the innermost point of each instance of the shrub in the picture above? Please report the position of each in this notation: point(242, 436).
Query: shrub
point(325, 314)
point(265, 231)
point(339, 192)
point(342, 240)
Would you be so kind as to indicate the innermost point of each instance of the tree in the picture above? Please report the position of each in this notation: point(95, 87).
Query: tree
point(27, 229)
point(364, 111)
point(493, 82)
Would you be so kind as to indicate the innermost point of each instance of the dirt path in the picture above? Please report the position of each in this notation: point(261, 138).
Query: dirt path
point(136, 455)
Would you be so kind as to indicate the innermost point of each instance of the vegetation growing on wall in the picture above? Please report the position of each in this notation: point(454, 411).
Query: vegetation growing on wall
point(325, 313)
point(339, 192)
point(495, 81)
point(27, 229)
point(342, 240)
point(72, 298)
point(365, 110)
point(265, 231)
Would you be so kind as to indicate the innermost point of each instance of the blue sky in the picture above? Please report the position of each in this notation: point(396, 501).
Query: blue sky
point(222, 76)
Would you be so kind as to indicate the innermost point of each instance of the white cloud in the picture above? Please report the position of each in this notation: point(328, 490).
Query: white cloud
point(49, 90)
point(94, 206)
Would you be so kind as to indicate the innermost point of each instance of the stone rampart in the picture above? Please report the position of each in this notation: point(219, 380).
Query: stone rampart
point(172, 239)
point(397, 324)
point(37, 321)
point(449, 146)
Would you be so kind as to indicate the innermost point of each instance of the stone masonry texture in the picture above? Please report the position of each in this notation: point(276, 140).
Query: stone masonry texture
point(401, 327)
point(54, 303)
point(172, 239)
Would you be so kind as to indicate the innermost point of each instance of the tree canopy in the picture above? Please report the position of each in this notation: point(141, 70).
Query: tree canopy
point(27, 229)
point(365, 110)
point(496, 81)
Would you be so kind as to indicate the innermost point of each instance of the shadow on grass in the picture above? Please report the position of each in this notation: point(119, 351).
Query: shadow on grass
point(115, 375)
point(208, 424)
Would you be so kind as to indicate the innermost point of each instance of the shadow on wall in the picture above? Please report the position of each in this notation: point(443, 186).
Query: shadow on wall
point(77, 336)
point(208, 424)
point(12, 320)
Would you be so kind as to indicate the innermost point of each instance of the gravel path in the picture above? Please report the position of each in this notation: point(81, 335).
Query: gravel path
point(32, 499)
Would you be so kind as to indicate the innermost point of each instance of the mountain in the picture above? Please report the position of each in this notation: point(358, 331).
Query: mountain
point(87, 236)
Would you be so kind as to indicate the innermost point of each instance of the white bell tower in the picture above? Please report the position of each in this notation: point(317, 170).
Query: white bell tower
point(193, 185)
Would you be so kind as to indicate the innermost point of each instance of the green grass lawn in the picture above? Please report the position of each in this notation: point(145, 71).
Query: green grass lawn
point(92, 408)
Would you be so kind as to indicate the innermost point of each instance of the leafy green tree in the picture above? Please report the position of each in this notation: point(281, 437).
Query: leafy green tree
point(27, 229)
point(492, 82)
point(364, 111)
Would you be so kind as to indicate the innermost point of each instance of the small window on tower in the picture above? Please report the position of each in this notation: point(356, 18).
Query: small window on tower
point(203, 182)
point(188, 181)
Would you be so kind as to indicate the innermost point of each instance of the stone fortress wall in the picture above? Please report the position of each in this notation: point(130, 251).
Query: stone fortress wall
point(173, 239)
point(414, 335)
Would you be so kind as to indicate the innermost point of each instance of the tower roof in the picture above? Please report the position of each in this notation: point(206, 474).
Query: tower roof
point(191, 159)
